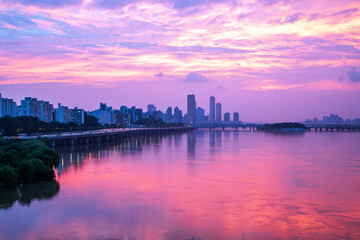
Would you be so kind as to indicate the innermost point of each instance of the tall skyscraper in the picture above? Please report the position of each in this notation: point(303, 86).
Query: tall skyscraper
point(151, 108)
point(177, 115)
point(191, 109)
point(169, 114)
point(236, 117)
point(212, 109)
point(227, 117)
point(200, 114)
point(132, 114)
point(138, 114)
point(218, 112)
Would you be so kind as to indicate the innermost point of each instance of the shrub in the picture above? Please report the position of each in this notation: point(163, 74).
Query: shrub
point(30, 160)
point(27, 170)
point(42, 172)
point(8, 175)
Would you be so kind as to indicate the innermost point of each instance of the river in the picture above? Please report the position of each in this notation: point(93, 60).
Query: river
point(198, 185)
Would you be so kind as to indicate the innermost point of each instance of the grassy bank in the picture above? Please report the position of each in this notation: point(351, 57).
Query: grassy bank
point(26, 161)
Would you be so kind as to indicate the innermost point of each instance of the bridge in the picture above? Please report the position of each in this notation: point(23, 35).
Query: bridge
point(332, 127)
point(223, 125)
point(103, 135)
point(253, 126)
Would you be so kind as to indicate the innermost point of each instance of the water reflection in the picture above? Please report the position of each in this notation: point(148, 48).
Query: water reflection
point(25, 194)
point(191, 145)
point(77, 156)
point(202, 185)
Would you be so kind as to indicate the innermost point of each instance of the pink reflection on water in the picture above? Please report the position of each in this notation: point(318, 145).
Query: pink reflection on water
point(221, 186)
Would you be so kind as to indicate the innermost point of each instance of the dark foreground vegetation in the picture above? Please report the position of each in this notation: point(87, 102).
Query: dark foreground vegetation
point(284, 125)
point(26, 161)
point(148, 122)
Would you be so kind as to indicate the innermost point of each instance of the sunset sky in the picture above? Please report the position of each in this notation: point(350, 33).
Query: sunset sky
point(269, 60)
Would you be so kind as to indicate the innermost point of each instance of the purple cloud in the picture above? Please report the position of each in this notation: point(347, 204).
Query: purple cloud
point(293, 18)
point(354, 75)
point(176, 4)
point(159, 75)
point(46, 3)
point(340, 48)
point(346, 12)
point(195, 77)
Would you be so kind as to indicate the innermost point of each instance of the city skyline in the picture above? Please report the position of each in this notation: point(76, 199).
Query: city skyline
point(273, 60)
point(45, 111)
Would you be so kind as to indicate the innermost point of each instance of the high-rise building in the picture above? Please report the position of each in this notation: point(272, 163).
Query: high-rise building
point(227, 117)
point(132, 115)
point(138, 114)
point(43, 110)
point(28, 107)
point(151, 108)
point(103, 107)
point(8, 107)
point(218, 112)
point(200, 114)
point(103, 116)
point(169, 114)
point(124, 116)
point(236, 117)
point(48, 112)
point(212, 109)
point(63, 114)
point(177, 115)
point(191, 108)
point(77, 116)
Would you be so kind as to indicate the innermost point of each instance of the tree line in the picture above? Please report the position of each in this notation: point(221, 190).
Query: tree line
point(10, 126)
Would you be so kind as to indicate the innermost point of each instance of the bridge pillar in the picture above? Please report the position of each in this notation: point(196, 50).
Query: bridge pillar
point(98, 139)
point(321, 129)
point(71, 142)
point(53, 143)
point(223, 129)
point(106, 138)
point(86, 140)
point(112, 137)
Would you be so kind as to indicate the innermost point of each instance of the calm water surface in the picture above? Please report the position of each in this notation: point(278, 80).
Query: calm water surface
point(199, 185)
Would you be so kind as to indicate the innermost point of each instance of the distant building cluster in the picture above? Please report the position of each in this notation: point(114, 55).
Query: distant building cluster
point(124, 116)
point(333, 119)
point(43, 110)
point(197, 114)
